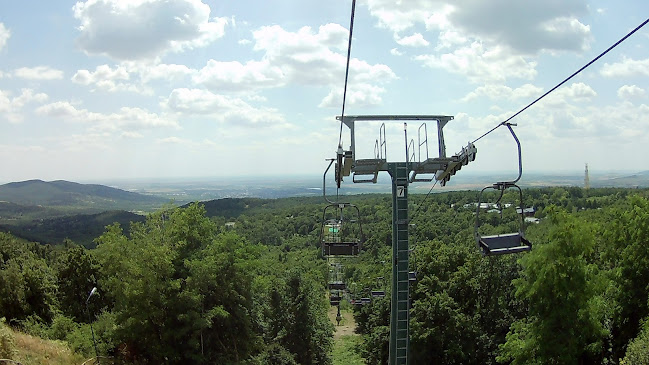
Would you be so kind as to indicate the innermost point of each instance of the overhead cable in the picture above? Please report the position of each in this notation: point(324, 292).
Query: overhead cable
point(349, 52)
point(565, 80)
point(423, 201)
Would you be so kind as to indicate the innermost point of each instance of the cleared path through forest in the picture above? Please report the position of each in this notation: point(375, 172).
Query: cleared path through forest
point(346, 349)
point(347, 324)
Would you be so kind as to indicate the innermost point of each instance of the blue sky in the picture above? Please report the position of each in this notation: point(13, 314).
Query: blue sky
point(105, 89)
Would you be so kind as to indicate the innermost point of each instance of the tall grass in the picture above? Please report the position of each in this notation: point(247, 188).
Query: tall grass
point(347, 351)
point(32, 350)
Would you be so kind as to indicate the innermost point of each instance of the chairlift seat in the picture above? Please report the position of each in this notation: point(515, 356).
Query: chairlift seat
point(427, 167)
point(378, 293)
point(368, 167)
point(412, 276)
point(337, 285)
point(340, 249)
point(334, 300)
point(501, 244)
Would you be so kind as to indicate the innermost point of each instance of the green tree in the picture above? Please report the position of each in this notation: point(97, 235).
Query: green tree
point(561, 287)
point(181, 293)
point(27, 284)
point(76, 275)
point(627, 254)
point(221, 275)
point(307, 332)
point(637, 353)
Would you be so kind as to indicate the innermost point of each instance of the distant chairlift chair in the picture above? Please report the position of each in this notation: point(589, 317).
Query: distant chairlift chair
point(504, 243)
point(341, 236)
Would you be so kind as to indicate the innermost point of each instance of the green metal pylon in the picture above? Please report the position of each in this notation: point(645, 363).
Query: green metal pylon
point(399, 304)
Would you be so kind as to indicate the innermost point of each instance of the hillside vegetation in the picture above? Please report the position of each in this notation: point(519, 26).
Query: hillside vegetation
point(27, 349)
point(242, 281)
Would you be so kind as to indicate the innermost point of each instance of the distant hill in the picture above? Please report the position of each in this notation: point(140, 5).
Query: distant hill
point(62, 193)
point(637, 180)
point(234, 207)
point(81, 229)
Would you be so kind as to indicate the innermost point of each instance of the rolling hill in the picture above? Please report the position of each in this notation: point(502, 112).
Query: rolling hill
point(81, 228)
point(70, 194)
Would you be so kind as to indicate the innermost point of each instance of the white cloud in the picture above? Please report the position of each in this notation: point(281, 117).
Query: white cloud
point(482, 65)
point(401, 15)
point(11, 108)
point(224, 109)
point(126, 120)
point(415, 40)
point(303, 58)
point(548, 25)
point(171, 140)
point(186, 143)
point(500, 92)
point(108, 79)
point(39, 73)
point(567, 95)
point(143, 29)
point(131, 76)
point(449, 39)
point(563, 126)
point(395, 52)
point(235, 76)
point(577, 91)
point(4, 35)
point(358, 95)
point(626, 68)
point(167, 72)
point(131, 135)
point(629, 92)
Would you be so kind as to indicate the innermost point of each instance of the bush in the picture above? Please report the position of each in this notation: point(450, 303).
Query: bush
point(637, 352)
point(275, 354)
point(7, 344)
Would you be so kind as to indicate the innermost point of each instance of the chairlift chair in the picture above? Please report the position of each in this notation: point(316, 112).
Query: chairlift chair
point(342, 235)
point(412, 276)
point(500, 244)
point(337, 285)
point(334, 300)
point(378, 293)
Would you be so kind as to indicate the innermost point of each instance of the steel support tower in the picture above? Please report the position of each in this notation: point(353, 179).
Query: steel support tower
point(421, 169)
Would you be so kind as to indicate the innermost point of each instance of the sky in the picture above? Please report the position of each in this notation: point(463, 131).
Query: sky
point(121, 89)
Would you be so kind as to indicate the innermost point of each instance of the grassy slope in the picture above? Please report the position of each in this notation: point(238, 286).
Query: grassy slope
point(346, 342)
point(36, 351)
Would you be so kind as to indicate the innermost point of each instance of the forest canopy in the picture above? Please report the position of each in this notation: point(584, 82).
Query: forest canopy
point(249, 285)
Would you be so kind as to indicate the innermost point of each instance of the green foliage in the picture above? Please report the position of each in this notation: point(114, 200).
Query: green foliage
point(304, 328)
point(637, 353)
point(183, 288)
point(347, 351)
point(27, 283)
point(147, 280)
point(373, 323)
point(562, 288)
point(77, 274)
point(275, 354)
point(627, 254)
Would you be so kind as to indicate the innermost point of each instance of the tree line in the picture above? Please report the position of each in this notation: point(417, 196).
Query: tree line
point(184, 286)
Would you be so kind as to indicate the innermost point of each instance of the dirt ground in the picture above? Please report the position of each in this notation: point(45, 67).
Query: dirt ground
point(347, 324)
